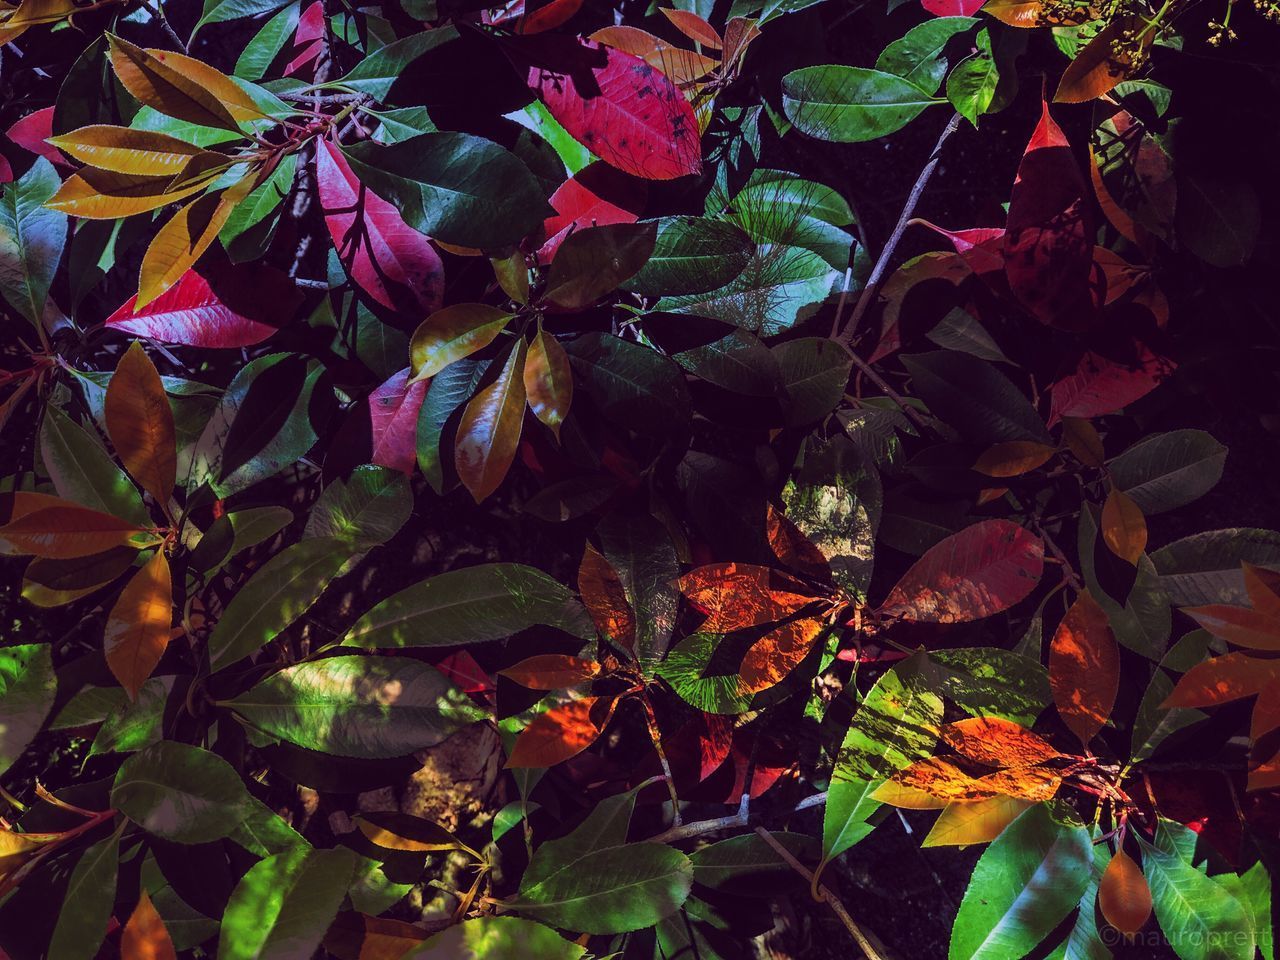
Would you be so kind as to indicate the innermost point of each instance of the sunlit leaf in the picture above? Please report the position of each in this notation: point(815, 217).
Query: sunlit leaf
point(1084, 668)
point(450, 334)
point(490, 429)
point(137, 629)
point(140, 424)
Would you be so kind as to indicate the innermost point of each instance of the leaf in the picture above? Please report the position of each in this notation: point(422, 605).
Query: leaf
point(775, 655)
point(1218, 219)
point(32, 238)
point(125, 150)
point(358, 706)
point(496, 938)
point(998, 742)
point(850, 104)
point(548, 380)
point(1084, 668)
point(917, 55)
point(103, 195)
point(394, 409)
point(1239, 625)
point(490, 429)
point(144, 936)
point(83, 471)
point(973, 83)
point(399, 831)
point(365, 509)
point(220, 11)
point(376, 73)
point(1013, 458)
point(27, 688)
point(66, 531)
point(1124, 528)
point(626, 112)
point(1101, 385)
point(389, 260)
point(86, 908)
point(1098, 68)
point(737, 361)
point(181, 793)
point(1123, 896)
point(974, 397)
point(140, 424)
point(454, 187)
point(1196, 914)
point(1169, 470)
point(1222, 680)
point(605, 599)
point(193, 313)
point(561, 733)
point(277, 594)
point(685, 669)
point(974, 821)
point(990, 682)
point(1025, 883)
point(595, 196)
point(1205, 567)
point(814, 372)
point(738, 595)
point(551, 671)
point(979, 572)
point(691, 255)
point(471, 605)
point(137, 629)
point(448, 335)
point(283, 905)
point(638, 548)
point(449, 390)
point(631, 384)
point(595, 260)
point(747, 865)
point(181, 87)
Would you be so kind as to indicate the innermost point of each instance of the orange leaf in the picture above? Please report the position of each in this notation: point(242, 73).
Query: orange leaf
point(1263, 587)
point(605, 598)
point(693, 27)
point(1266, 711)
point(1013, 458)
point(1081, 438)
point(402, 831)
point(941, 778)
point(144, 937)
point(793, 548)
point(1239, 625)
point(1221, 680)
point(552, 671)
point(1116, 215)
point(738, 595)
point(180, 86)
point(105, 195)
point(1124, 528)
point(1264, 774)
point(1084, 668)
point(977, 821)
point(548, 380)
point(490, 430)
point(1097, 69)
point(1123, 895)
point(559, 734)
point(997, 742)
point(137, 630)
point(1035, 784)
point(66, 532)
point(776, 654)
point(140, 423)
point(908, 798)
point(680, 66)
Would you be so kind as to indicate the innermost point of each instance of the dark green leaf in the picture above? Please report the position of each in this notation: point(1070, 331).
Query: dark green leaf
point(181, 793)
point(850, 104)
point(692, 255)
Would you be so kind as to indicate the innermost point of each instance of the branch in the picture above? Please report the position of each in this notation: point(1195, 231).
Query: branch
point(739, 819)
point(156, 11)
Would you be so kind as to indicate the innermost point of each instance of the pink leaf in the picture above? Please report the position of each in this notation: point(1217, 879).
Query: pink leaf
point(229, 312)
point(393, 416)
point(1048, 246)
point(982, 248)
point(595, 196)
point(976, 573)
point(31, 132)
point(1101, 385)
point(623, 110)
point(308, 39)
point(953, 8)
point(388, 259)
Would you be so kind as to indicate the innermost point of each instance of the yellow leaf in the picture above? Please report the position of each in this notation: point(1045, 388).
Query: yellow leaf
point(908, 798)
point(124, 150)
point(137, 630)
point(978, 821)
point(94, 194)
point(181, 87)
point(450, 334)
point(1081, 438)
point(393, 831)
point(1124, 528)
point(548, 381)
point(144, 937)
point(185, 238)
point(140, 424)
point(490, 430)
point(1013, 458)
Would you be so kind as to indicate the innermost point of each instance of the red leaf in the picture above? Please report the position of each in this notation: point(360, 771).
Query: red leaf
point(1084, 668)
point(953, 8)
point(1048, 246)
point(738, 595)
point(605, 599)
point(624, 111)
point(551, 671)
point(982, 248)
point(547, 16)
point(596, 196)
point(388, 259)
point(30, 134)
point(1101, 385)
point(559, 734)
point(467, 675)
point(308, 39)
point(194, 314)
point(393, 415)
point(976, 573)
point(1232, 676)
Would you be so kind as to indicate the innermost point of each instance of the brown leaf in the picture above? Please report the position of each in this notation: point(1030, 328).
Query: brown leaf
point(552, 671)
point(1084, 668)
point(1098, 68)
point(605, 598)
point(548, 380)
point(1081, 438)
point(998, 742)
point(490, 430)
point(1242, 626)
point(559, 734)
point(137, 630)
point(450, 334)
point(144, 937)
point(66, 531)
point(1123, 895)
point(738, 595)
point(1124, 528)
point(1013, 458)
point(140, 424)
point(180, 86)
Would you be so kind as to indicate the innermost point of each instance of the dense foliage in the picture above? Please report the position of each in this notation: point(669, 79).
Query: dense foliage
point(529, 482)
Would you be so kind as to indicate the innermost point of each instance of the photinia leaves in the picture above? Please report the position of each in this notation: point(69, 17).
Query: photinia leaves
point(490, 429)
point(450, 334)
point(195, 313)
point(145, 936)
point(561, 733)
point(595, 260)
point(605, 598)
point(1123, 896)
point(738, 595)
point(140, 424)
point(137, 629)
point(393, 417)
point(623, 110)
point(595, 196)
point(1101, 385)
point(976, 573)
point(551, 671)
point(1124, 528)
point(1084, 668)
point(548, 380)
point(67, 531)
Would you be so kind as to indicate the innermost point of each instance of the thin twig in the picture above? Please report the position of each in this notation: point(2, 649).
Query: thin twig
point(155, 10)
point(1068, 571)
point(872, 953)
point(740, 819)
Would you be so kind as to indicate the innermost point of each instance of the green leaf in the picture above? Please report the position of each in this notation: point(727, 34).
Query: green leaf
point(640, 551)
point(454, 187)
point(596, 260)
point(1218, 218)
point(971, 88)
point(263, 832)
point(282, 907)
point(27, 689)
point(358, 706)
point(275, 596)
point(692, 255)
point(748, 866)
point(850, 104)
point(1025, 884)
point(487, 602)
point(1200, 919)
point(974, 397)
point(86, 908)
point(1084, 942)
point(220, 11)
point(815, 372)
point(1205, 567)
point(990, 682)
point(449, 390)
point(1255, 885)
point(632, 384)
point(237, 531)
point(135, 724)
point(917, 56)
point(31, 240)
point(496, 938)
point(738, 361)
point(685, 669)
point(364, 509)
point(377, 73)
point(1169, 470)
point(267, 43)
point(261, 203)
point(181, 793)
point(780, 209)
point(83, 471)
